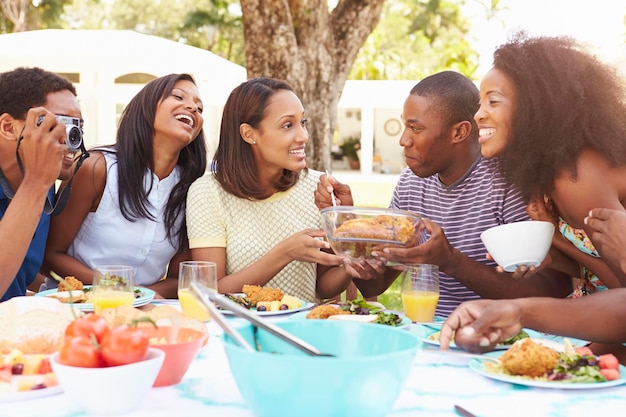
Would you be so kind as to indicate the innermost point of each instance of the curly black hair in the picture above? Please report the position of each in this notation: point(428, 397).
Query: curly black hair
point(24, 88)
point(566, 101)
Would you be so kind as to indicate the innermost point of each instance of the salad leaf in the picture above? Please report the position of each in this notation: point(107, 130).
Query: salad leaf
point(577, 368)
point(390, 319)
point(511, 340)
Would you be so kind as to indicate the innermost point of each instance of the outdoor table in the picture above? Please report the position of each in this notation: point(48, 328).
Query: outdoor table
point(437, 381)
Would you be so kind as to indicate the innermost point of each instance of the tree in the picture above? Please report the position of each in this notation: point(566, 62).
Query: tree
point(416, 38)
point(23, 15)
point(313, 48)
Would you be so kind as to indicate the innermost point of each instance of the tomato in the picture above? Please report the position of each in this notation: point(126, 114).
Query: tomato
point(124, 344)
point(608, 361)
point(87, 325)
point(80, 351)
point(610, 374)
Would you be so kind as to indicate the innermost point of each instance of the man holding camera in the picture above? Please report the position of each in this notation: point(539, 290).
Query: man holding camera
point(35, 106)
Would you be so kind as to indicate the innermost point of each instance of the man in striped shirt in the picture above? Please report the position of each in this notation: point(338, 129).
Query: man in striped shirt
point(458, 192)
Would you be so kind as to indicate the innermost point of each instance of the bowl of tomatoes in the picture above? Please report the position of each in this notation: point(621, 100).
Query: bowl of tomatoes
point(119, 360)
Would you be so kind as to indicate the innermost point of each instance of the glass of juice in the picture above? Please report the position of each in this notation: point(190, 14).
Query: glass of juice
point(205, 274)
point(420, 291)
point(113, 286)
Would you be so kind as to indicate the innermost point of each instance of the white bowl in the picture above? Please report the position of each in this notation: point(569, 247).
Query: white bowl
point(518, 244)
point(112, 390)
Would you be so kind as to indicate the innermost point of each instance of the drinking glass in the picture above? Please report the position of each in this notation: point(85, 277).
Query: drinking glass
point(203, 273)
point(113, 286)
point(420, 291)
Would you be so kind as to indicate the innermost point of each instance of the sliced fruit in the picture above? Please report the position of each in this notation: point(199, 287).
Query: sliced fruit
point(291, 301)
point(275, 306)
point(608, 361)
point(32, 364)
point(610, 374)
point(265, 305)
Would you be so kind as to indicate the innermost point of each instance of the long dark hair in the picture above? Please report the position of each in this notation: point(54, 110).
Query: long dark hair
point(135, 153)
point(234, 165)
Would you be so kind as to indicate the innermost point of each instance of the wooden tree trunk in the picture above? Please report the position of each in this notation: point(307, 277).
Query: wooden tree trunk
point(313, 49)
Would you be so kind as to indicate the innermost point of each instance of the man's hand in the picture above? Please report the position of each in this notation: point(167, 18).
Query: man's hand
point(328, 185)
point(42, 148)
point(479, 325)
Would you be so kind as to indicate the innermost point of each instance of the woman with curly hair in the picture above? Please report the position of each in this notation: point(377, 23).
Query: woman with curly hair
point(555, 116)
point(127, 205)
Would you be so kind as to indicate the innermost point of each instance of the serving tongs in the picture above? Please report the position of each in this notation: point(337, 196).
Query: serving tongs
point(208, 296)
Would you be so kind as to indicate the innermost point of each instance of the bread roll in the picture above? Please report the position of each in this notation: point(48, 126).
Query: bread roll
point(162, 315)
point(34, 324)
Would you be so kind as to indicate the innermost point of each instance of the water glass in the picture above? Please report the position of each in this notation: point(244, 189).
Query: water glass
point(113, 286)
point(420, 291)
point(203, 273)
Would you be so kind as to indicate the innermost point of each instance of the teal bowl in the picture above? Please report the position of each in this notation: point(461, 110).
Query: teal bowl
point(364, 379)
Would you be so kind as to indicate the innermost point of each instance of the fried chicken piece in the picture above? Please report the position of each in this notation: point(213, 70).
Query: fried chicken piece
point(528, 358)
point(383, 227)
point(325, 311)
point(70, 284)
point(256, 293)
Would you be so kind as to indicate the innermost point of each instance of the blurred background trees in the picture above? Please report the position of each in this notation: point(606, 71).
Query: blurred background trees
point(315, 45)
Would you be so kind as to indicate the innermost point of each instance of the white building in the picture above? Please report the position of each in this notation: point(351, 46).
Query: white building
point(109, 67)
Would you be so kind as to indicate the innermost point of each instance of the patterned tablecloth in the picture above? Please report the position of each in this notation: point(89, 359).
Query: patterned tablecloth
point(436, 383)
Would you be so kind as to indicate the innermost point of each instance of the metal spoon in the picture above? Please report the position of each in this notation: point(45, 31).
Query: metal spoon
point(210, 295)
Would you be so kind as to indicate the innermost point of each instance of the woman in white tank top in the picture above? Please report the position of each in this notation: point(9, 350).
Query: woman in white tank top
point(127, 205)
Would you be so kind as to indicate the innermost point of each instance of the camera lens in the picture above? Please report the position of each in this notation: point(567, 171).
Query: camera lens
point(74, 137)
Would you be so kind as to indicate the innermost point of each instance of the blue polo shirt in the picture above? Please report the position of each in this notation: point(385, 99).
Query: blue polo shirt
point(34, 257)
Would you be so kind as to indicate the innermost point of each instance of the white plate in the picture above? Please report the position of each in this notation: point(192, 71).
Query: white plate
point(146, 296)
point(426, 331)
point(403, 324)
point(305, 306)
point(478, 365)
point(15, 395)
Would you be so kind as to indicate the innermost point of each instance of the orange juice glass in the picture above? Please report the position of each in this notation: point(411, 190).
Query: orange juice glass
point(113, 286)
point(205, 274)
point(420, 291)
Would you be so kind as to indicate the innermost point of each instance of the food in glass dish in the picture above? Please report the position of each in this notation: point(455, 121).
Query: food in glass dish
point(358, 231)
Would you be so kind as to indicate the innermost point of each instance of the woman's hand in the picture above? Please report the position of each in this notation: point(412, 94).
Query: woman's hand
point(542, 209)
point(309, 246)
point(362, 269)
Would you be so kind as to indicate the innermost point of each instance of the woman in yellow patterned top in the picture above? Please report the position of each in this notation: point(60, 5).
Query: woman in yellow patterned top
point(254, 213)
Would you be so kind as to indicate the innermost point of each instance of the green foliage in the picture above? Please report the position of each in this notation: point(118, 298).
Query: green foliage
point(416, 38)
point(214, 25)
point(391, 297)
point(350, 146)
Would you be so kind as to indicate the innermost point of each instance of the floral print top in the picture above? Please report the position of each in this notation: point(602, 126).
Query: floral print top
point(589, 282)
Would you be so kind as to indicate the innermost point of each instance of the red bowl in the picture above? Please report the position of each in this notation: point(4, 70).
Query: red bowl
point(180, 345)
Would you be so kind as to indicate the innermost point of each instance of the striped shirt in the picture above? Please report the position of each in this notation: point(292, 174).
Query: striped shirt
point(479, 200)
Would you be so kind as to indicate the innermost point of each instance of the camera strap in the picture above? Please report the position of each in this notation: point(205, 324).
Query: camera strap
point(61, 197)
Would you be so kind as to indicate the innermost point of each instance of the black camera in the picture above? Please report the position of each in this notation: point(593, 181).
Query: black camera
point(73, 131)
